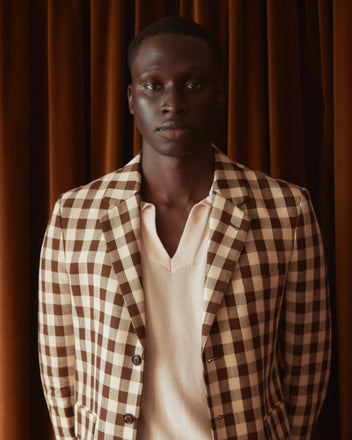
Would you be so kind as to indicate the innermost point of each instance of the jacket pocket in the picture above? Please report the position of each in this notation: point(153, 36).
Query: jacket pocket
point(277, 425)
point(85, 421)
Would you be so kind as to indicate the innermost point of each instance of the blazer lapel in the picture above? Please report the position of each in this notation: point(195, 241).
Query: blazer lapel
point(121, 229)
point(228, 226)
point(228, 229)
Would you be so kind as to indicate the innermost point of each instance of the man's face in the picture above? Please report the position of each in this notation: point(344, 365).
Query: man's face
point(175, 94)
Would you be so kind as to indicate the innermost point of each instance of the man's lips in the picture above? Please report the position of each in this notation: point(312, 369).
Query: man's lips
point(173, 130)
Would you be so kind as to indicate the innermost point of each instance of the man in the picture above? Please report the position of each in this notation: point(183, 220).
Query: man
point(183, 296)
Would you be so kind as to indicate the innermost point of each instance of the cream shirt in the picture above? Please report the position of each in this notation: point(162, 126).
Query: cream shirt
point(174, 402)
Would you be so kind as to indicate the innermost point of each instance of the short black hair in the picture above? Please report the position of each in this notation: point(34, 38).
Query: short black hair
point(176, 25)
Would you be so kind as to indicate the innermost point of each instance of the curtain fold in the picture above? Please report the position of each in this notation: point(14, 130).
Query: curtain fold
point(14, 204)
point(66, 99)
point(247, 85)
point(285, 98)
point(108, 85)
point(342, 13)
point(64, 121)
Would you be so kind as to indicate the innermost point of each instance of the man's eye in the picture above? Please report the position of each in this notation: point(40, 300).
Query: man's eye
point(152, 86)
point(193, 85)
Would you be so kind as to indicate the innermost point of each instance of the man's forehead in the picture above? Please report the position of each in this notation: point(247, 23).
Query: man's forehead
point(165, 47)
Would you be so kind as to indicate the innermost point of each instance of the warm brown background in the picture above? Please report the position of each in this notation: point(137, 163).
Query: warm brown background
point(64, 121)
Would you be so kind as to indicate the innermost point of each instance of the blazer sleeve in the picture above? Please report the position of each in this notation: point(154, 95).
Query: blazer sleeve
point(305, 328)
point(56, 338)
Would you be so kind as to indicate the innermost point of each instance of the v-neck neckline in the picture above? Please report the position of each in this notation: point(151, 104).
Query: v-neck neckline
point(190, 242)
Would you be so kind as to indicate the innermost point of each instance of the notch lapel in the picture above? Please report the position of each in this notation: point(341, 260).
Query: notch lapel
point(121, 229)
point(228, 226)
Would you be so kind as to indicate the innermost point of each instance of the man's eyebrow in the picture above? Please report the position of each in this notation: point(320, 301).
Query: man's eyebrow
point(150, 70)
point(197, 69)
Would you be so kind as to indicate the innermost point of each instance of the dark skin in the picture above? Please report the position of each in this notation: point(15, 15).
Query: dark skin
point(175, 94)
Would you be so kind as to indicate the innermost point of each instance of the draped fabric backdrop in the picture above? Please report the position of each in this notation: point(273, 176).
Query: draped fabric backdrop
point(64, 121)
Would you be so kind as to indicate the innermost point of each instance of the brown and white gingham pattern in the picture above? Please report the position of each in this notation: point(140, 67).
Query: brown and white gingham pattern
point(266, 328)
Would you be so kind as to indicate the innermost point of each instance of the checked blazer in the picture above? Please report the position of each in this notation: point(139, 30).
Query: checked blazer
point(266, 321)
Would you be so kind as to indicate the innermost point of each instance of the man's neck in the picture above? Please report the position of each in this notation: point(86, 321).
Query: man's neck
point(176, 180)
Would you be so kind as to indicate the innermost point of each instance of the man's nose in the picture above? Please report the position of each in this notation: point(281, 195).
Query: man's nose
point(174, 101)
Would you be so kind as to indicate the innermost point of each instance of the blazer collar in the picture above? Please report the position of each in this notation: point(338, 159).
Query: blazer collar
point(126, 183)
point(229, 181)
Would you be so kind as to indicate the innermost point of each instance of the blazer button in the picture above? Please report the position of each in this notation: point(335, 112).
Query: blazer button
point(128, 418)
point(136, 360)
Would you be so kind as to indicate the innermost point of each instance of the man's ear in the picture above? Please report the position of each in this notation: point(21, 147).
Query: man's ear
point(130, 99)
point(222, 93)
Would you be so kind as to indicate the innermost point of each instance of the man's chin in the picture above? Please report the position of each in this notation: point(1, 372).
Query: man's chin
point(178, 149)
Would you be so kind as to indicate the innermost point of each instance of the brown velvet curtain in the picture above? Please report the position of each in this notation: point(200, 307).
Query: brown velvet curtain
point(64, 121)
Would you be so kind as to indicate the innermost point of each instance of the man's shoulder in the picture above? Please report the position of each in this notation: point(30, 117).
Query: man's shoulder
point(116, 184)
point(258, 184)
